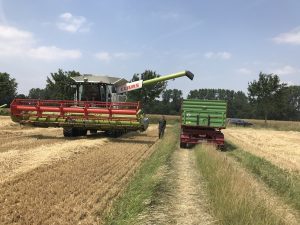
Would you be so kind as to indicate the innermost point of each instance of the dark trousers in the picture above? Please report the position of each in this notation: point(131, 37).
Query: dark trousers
point(161, 132)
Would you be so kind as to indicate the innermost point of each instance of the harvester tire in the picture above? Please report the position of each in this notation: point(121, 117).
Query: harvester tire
point(81, 132)
point(74, 132)
point(93, 131)
point(113, 133)
point(68, 132)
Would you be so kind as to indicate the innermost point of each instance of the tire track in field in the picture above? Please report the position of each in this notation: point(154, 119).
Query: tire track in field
point(76, 190)
point(184, 201)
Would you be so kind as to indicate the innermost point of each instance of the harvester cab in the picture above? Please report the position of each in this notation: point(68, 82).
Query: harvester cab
point(97, 88)
point(99, 105)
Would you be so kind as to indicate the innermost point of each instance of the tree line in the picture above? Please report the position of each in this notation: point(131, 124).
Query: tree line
point(267, 97)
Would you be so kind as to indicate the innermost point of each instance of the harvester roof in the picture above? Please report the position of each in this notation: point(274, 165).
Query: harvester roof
point(89, 78)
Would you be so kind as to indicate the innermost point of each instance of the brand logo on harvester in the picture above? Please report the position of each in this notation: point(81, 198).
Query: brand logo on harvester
point(130, 86)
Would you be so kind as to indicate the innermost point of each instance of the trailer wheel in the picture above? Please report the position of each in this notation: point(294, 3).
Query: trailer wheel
point(221, 148)
point(182, 145)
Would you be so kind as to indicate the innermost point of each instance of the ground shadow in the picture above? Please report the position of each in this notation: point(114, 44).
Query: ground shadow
point(43, 137)
point(133, 141)
point(89, 136)
point(229, 147)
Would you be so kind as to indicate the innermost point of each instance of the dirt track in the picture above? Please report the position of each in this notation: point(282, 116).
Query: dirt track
point(47, 179)
point(184, 201)
point(280, 147)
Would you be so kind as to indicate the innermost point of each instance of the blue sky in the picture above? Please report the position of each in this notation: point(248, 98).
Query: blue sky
point(224, 43)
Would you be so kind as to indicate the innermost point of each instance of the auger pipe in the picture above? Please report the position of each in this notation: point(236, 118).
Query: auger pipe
point(169, 77)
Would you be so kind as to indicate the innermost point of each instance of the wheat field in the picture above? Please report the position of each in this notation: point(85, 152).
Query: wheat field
point(280, 147)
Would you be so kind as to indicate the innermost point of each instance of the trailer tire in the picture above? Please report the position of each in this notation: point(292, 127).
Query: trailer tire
point(182, 145)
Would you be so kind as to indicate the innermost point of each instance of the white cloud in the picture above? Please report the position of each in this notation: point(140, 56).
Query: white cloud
point(12, 33)
point(290, 83)
point(103, 56)
point(15, 42)
point(108, 57)
point(73, 24)
point(53, 53)
point(217, 55)
point(292, 37)
point(286, 70)
point(244, 71)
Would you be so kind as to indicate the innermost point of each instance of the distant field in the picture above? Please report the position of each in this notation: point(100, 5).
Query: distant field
point(275, 124)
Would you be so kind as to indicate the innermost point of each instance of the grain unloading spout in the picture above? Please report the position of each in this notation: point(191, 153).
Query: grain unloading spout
point(140, 83)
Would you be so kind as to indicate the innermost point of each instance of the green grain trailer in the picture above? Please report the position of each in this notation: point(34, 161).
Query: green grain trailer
point(202, 121)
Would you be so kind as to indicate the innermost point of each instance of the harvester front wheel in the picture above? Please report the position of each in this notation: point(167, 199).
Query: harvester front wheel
point(69, 132)
point(93, 131)
point(74, 132)
point(82, 132)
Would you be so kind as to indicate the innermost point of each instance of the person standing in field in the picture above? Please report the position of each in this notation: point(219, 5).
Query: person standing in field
point(161, 127)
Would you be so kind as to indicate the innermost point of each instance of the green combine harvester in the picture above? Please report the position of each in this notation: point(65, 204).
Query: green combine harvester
point(99, 105)
point(202, 121)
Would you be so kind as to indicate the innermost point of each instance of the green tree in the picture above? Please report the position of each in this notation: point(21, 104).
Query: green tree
point(176, 100)
point(8, 88)
point(147, 94)
point(171, 99)
point(290, 105)
point(166, 96)
point(266, 93)
point(59, 85)
point(37, 93)
point(21, 96)
point(240, 105)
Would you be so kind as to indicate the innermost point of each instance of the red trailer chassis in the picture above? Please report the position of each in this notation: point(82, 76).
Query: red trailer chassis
point(200, 134)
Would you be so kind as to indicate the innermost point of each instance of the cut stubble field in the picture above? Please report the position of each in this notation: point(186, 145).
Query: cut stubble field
point(280, 147)
point(47, 179)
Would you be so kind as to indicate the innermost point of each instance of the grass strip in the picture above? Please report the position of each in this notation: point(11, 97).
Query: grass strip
point(284, 183)
point(232, 194)
point(4, 112)
point(145, 183)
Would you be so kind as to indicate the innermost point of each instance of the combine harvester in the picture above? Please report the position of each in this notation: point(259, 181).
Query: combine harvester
point(99, 105)
point(202, 121)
